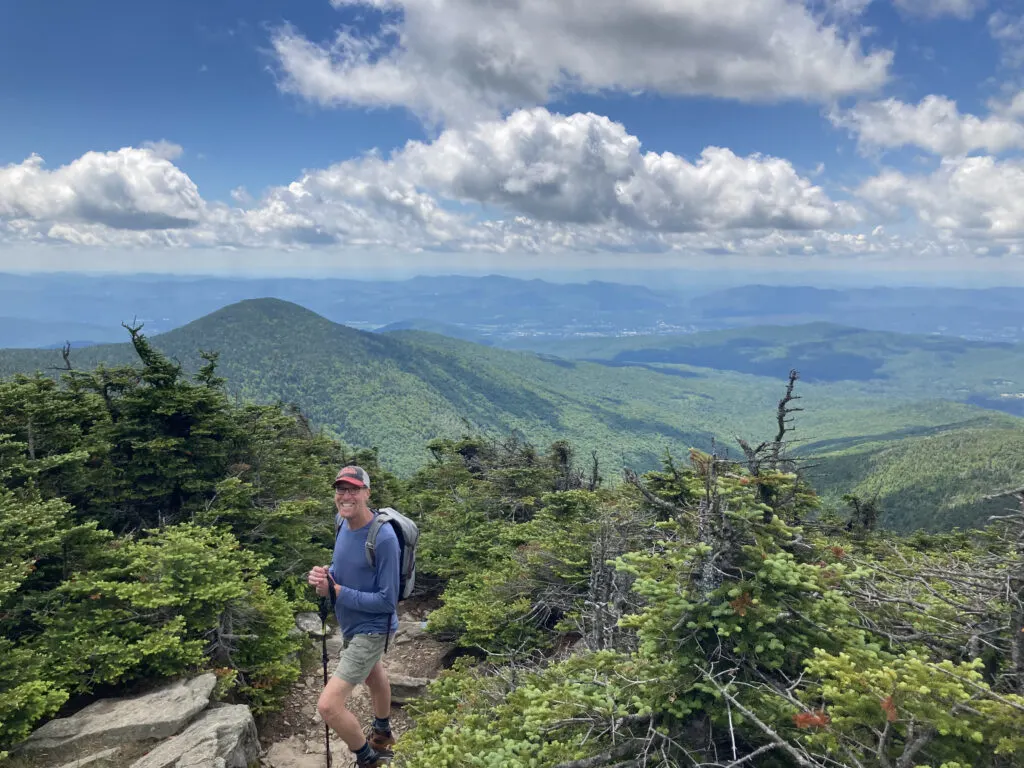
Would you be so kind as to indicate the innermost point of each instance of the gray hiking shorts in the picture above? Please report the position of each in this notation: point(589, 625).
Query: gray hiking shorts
point(358, 655)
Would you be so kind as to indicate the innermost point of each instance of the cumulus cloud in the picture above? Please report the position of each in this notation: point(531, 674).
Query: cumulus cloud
point(533, 180)
point(934, 124)
point(968, 196)
point(535, 183)
point(128, 189)
point(962, 9)
point(463, 59)
point(579, 169)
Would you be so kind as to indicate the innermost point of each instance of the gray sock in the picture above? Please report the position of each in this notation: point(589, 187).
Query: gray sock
point(366, 753)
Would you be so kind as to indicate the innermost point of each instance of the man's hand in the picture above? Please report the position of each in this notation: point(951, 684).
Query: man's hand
point(318, 578)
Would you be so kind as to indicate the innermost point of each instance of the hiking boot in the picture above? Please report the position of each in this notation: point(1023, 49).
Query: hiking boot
point(381, 741)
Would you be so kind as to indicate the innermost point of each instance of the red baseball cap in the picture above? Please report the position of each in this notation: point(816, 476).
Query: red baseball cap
point(353, 476)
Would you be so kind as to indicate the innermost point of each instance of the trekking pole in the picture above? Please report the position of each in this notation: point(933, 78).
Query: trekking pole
point(323, 640)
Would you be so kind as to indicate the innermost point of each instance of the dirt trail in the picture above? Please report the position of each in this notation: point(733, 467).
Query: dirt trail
point(294, 737)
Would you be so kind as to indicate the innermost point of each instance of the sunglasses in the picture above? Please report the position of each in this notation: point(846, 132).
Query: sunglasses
point(342, 491)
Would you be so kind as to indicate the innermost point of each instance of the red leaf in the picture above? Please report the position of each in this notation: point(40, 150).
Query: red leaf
point(814, 719)
point(741, 603)
point(889, 707)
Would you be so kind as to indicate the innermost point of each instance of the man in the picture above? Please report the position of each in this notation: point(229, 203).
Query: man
point(366, 605)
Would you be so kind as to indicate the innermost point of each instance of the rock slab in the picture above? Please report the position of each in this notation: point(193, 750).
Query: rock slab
point(104, 757)
point(114, 722)
point(405, 688)
point(224, 737)
point(292, 753)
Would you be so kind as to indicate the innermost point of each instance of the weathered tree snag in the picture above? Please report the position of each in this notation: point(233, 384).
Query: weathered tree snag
point(772, 455)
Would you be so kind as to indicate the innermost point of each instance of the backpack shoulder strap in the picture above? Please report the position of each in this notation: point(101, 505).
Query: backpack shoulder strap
point(379, 520)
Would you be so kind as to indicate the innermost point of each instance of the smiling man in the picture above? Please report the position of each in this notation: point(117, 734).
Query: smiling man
point(365, 600)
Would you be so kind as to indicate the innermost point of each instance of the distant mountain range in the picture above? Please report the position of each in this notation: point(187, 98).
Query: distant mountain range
point(491, 307)
point(877, 405)
point(991, 313)
point(45, 310)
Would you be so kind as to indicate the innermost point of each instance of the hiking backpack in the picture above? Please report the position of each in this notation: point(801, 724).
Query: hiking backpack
point(408, 534)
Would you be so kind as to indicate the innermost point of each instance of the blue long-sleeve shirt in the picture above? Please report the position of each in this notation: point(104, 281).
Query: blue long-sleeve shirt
point(367, 598)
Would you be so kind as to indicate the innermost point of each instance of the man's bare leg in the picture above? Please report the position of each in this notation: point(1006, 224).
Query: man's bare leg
point(380, 690)
point(333, 708)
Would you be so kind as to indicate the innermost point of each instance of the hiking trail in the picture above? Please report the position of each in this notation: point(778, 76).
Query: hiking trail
point(294, 736)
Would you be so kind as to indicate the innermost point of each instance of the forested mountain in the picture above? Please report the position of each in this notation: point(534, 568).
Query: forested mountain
point(933, 478)
point(397, 390)
point(709, 612)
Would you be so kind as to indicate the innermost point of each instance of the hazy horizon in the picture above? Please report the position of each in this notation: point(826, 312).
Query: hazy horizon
point(653, 276)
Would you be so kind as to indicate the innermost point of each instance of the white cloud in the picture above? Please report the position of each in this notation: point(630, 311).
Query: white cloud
point(1008, 31)
point(465, 59)
point(580, 169)
point(534, 180)
point(968, 196)
point(127, 189)
point(935, 124)
point(534, 183)
point(167, 150)
point(963, 9)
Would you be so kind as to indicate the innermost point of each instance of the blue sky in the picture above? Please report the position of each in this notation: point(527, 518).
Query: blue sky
point(832, 135)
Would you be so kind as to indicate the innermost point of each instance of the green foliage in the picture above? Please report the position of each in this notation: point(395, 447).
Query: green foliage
point(907, 697)
point(799, 644)
point(513, 720)
point(157, 608)
point(26, 693)
point(152, 528)
point(509, 532)
point(30, 529)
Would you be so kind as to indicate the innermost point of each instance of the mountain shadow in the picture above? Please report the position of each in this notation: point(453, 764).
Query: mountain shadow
point(817, 361)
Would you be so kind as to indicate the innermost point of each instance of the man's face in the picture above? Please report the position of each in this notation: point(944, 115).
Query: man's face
point(350, 499)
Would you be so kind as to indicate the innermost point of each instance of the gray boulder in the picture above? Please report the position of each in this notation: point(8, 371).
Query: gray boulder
point(408, 631)
point(114, 722)
point(405, 688)
point(224, 737)
point(310, 624)
point(334, 642)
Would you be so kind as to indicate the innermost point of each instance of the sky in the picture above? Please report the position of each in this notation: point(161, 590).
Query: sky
point(375, 137)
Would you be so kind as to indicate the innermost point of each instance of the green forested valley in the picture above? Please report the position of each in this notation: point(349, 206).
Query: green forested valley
point(710, 610)
point(867, 403)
